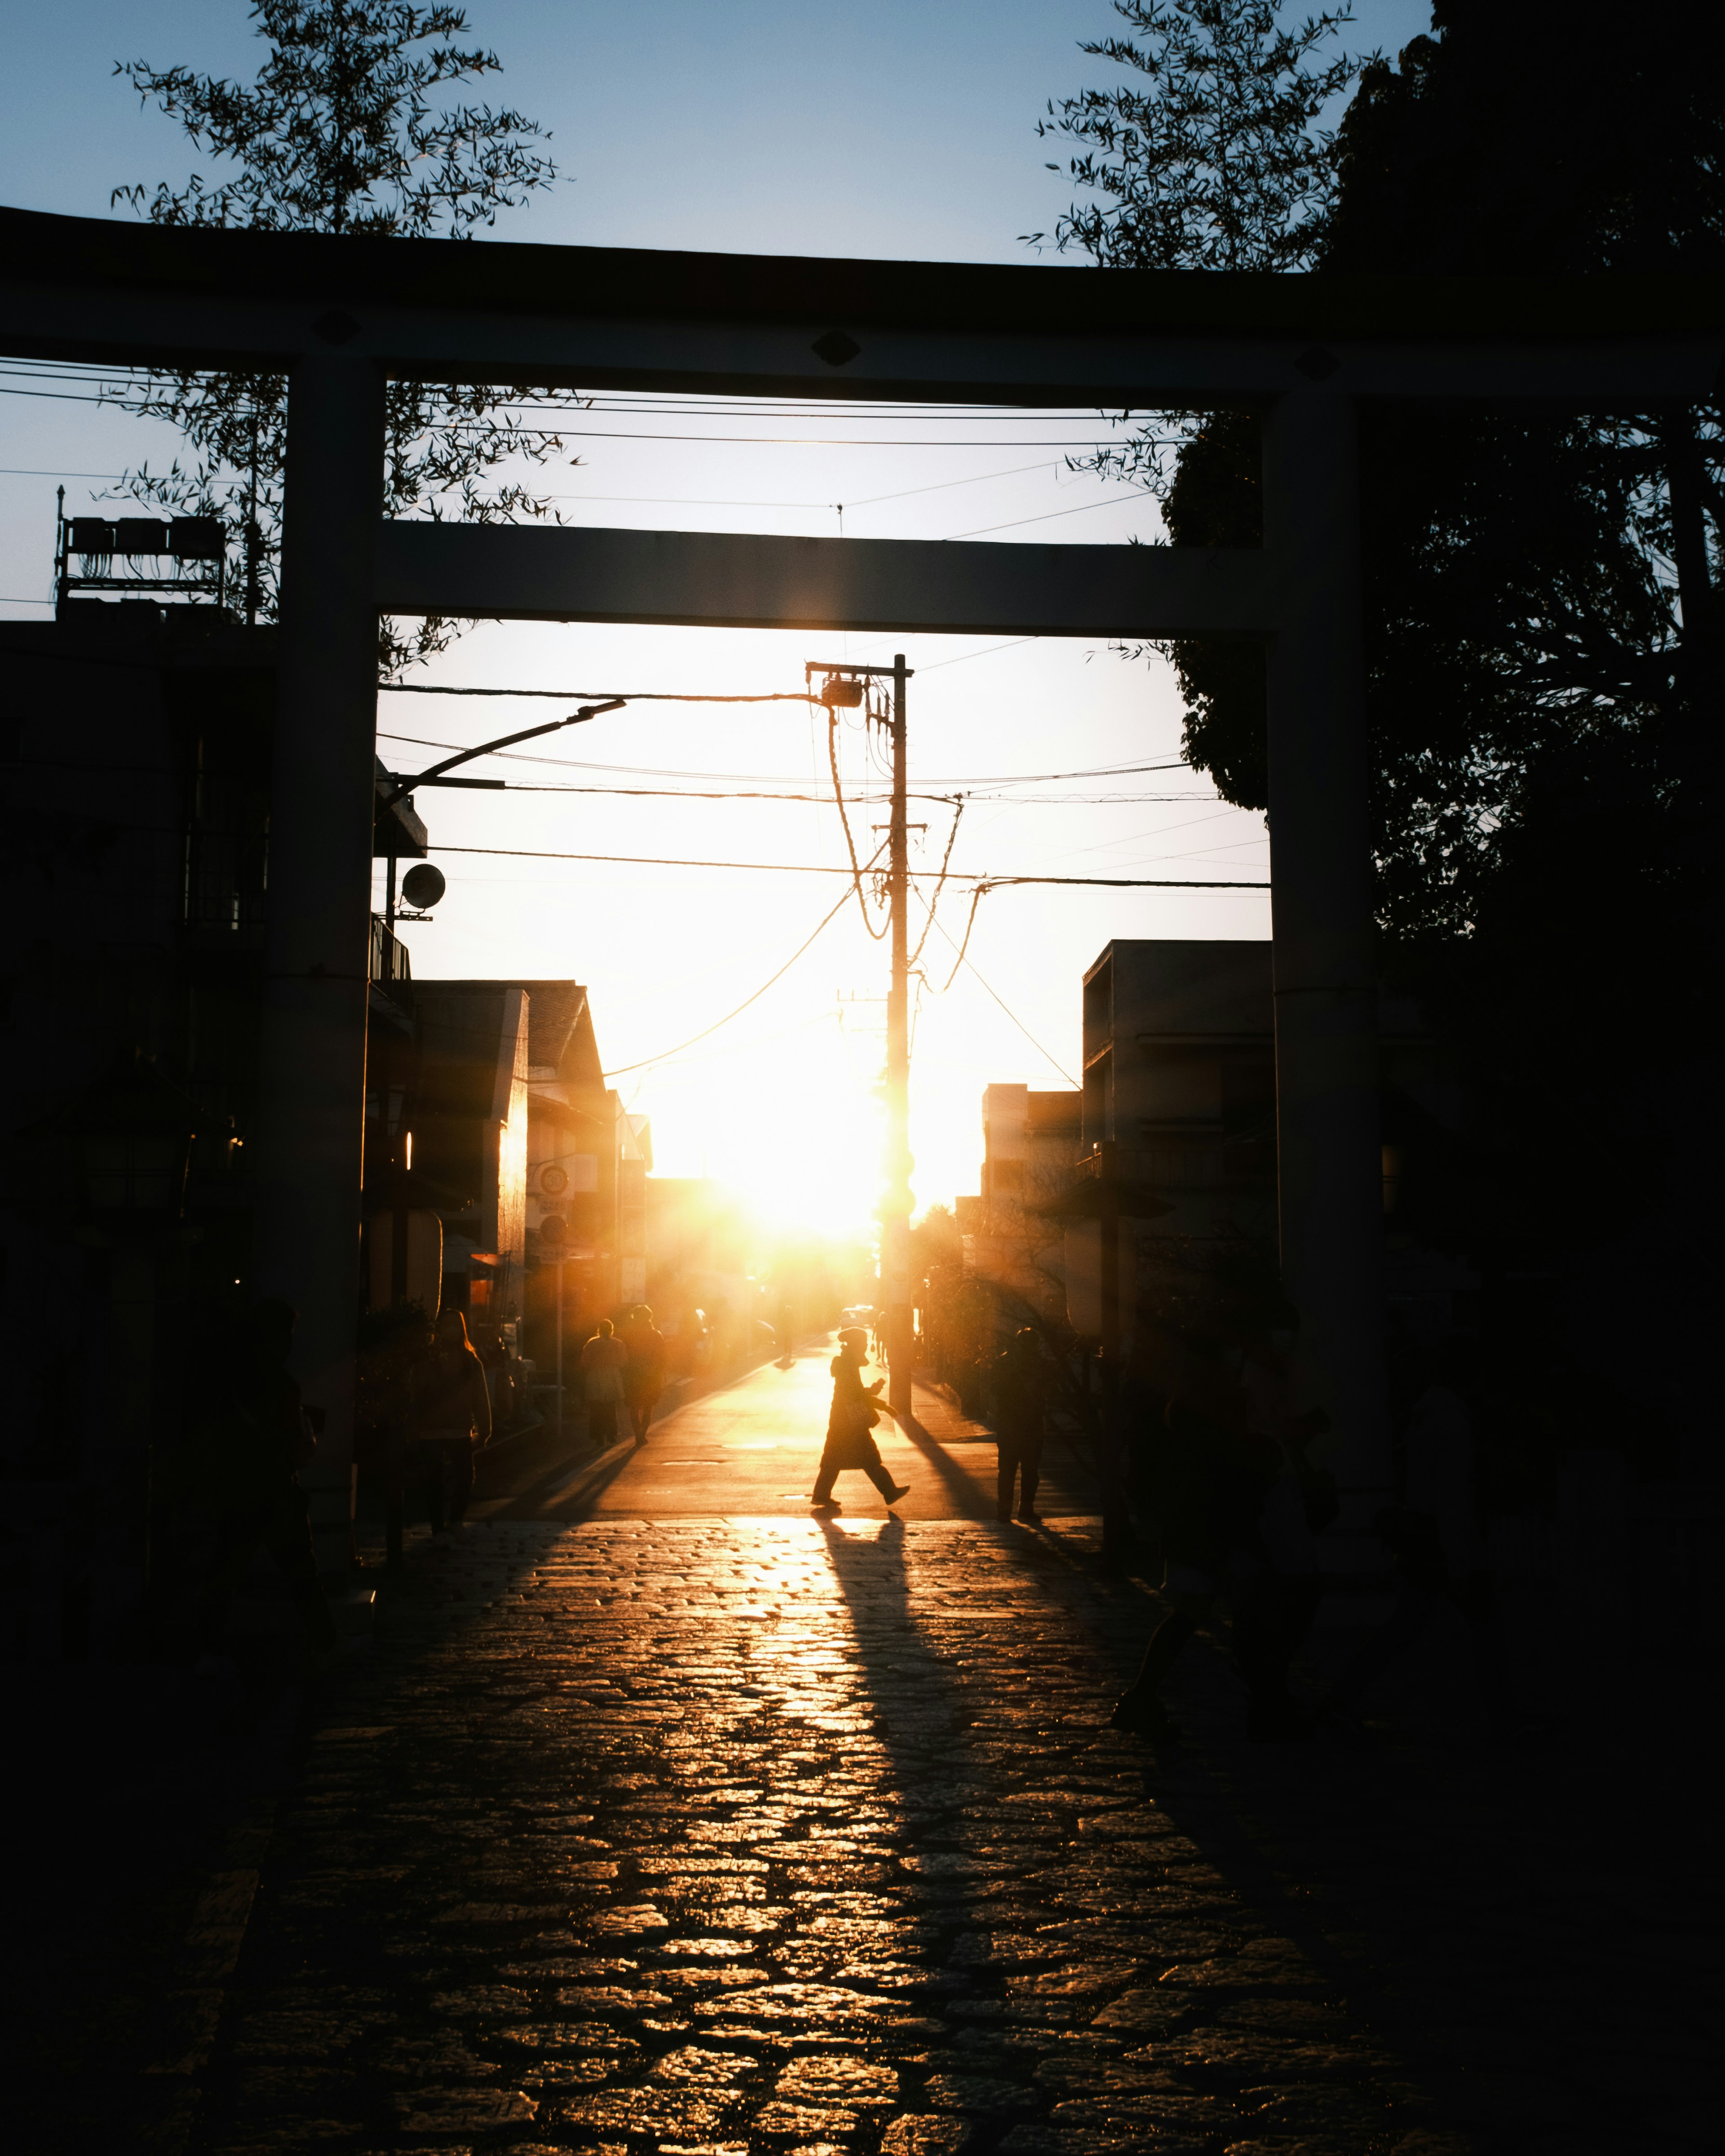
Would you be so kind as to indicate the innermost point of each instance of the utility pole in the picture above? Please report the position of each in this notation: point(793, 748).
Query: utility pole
point(895, 1199)
point(844, 687)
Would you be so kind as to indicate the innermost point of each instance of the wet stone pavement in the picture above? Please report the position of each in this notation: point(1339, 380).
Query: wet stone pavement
point(738, 1835)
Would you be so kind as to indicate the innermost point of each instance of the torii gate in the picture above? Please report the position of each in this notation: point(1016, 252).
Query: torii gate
point(341, 315)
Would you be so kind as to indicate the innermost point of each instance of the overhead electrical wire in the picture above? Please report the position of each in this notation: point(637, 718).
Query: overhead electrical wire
point(845, 821)
point(821, 800)
point(822, 868)
point(1011, 1012)
point(622, 1070)
point(977, 896)
point(946, 860)
point(750, 778)
point(730, 501)
point(567, 432)
point(113, 391)
point(612, 400)
point(1110, 501)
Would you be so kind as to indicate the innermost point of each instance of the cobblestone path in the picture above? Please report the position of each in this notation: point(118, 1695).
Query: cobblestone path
point(762, 1834)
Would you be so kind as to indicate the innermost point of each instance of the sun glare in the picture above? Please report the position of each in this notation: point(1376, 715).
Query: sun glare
point(793, 1127)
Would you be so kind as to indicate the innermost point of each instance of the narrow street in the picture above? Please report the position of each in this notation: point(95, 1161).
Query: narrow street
point(650, 1827)
point(750, 1449)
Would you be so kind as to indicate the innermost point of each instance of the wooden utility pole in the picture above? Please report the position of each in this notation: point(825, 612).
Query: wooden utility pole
point(895, 1198)
point(842, 689)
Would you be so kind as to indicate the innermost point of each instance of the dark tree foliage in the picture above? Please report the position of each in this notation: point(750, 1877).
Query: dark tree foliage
point(1210, 160)
point(1544, 616)
point(1521, 137)
point(349, 128)
point(1210, 163)
point(1514, 609)
point(1538, 583)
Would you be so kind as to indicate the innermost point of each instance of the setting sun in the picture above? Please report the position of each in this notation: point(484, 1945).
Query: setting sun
point(790, 1123)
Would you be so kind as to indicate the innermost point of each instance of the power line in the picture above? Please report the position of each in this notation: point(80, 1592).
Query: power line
point(809, 868)
point(737, 441)
point(738, 501)
point(1006, 1007)
point(603, 400)
point(621, 434)
point(1016, 642)
point(1110, 501)
point(814, 800)
point(626, 695)
point(750, 778)
point(623, 1069)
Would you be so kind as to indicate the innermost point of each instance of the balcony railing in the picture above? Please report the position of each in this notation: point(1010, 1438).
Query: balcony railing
point(389, 954)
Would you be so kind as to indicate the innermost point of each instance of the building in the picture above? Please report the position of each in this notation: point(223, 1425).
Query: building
point(138, 737)
point(587, 1161)
point(1031, 1142)
point(462, 1099)
point(1179, 1077)
point(137, 740)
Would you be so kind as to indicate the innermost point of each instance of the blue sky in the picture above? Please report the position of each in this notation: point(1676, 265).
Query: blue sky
point(892, 131)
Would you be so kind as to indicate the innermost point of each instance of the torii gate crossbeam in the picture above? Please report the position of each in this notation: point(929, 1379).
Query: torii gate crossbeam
point(340, 316)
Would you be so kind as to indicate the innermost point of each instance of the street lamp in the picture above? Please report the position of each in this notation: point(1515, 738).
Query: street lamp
point(417, 884)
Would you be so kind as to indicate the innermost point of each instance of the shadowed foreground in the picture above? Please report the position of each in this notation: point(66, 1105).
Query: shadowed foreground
point(751, 1834)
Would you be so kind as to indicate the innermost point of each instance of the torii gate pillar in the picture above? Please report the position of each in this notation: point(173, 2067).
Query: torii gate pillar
point(312, 1058)
point(1331, 1174)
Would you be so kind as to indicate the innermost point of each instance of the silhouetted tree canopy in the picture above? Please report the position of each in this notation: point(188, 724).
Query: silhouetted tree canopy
point(348, 127)
point(1542, 588)
point(1524, 567)
point(1211, 162)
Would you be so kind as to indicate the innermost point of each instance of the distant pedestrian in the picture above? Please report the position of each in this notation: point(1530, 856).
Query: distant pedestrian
point(786, 1329)
point(850, 1442)
point(452, 1413)
point(243, 1473)
point(602, 1360)
point(1021, 1377)
point(644, 1372)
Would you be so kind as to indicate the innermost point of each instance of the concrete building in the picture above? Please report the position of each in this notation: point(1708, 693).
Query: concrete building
point(587, 1159)
point(137, 737)
point(1179, 1076)
point(468, 1103)
point(1031, 1142)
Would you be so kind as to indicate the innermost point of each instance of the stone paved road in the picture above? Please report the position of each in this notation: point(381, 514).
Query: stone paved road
point(755, 1834)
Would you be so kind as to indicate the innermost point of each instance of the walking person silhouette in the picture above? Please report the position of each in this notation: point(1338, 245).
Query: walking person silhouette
point(855, 1411)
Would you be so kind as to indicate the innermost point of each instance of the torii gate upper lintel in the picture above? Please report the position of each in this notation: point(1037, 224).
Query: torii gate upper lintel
point(340, 316)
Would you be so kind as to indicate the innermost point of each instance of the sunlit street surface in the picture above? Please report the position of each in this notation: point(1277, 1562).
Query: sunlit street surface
point(663, 1818)
point(751, 1449)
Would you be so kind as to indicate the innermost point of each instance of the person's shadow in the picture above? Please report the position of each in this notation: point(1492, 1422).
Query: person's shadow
point(920, 1709)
